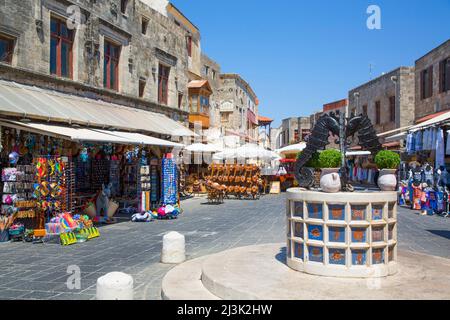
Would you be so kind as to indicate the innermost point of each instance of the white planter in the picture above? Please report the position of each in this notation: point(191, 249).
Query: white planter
point(330, 181)
point(387, 180)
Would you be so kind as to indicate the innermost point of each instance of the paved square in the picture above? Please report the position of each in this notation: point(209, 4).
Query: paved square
point(39, 271)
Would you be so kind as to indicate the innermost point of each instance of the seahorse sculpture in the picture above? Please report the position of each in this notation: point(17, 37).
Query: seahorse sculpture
point(367, 135)
point(318, 140)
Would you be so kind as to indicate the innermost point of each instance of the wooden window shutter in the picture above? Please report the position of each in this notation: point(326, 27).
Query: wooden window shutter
point(430, 82)
point(442, 76)
point(422, 84)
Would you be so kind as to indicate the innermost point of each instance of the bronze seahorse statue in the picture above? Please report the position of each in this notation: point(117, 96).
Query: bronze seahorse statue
point(318, 140)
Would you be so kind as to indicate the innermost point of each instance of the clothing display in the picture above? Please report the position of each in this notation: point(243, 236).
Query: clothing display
point(447, 148)
point(169, 181)
point(418, 141)
point(440, 148)
point(356, 173)
point(411, 144)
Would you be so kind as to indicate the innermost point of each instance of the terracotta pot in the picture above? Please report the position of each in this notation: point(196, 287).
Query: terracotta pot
point(330, 181)
point(387, 180)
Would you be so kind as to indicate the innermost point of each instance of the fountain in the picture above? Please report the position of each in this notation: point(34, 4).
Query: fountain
point(340, 245)
point(344, 234)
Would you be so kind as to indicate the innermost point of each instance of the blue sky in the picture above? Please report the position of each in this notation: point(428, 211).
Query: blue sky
point(298, 55)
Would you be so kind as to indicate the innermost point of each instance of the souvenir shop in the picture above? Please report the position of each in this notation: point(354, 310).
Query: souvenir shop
point(360, 168)
point(424, 172)
point(56, 184)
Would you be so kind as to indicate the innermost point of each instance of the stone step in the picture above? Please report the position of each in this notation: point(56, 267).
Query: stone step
point(183, 282)
point(260, 272)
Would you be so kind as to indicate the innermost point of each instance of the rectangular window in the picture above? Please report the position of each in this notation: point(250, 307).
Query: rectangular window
point(377, 112)
point(111, 66)
point(426, 83)
point(392, 108)
point(6, 49)
point(204, 104)
point(142, 84)
point(61, 42)
point(189, 45)
point(163, 84)
point(123, 6)
point(444, 75)
point(180, 100)
point(144, 25)
point(364, 109)
point(194, 104)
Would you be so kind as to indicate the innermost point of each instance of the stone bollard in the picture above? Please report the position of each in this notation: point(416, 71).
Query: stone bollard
point(115, 286)
point(173, 250)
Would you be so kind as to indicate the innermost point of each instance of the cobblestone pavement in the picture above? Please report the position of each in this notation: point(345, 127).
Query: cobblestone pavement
point(39, 271)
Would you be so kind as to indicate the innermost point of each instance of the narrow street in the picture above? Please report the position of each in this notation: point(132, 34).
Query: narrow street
point(39, 271)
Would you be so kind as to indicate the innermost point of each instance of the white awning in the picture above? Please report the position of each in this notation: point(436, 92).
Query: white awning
point(28, 101)
point(138, 138)
point(293, 148)
point(391, 132)
point(201, 147)
point(440, 119)
point(396, 137)
point(357, 153)
point(90, 135)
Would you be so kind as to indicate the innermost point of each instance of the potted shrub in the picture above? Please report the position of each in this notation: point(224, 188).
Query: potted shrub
point(330, 162)
point(387, 162)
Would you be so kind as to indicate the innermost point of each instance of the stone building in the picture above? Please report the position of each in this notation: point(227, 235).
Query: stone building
point(238, 108)
point(339, 106)
point(313, 118)
point(137, 53)
point(294, 130)
point(432, 81)
point(387, 100)
point(211, 71)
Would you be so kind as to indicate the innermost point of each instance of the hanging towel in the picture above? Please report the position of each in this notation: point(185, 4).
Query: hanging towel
point(410, 143)
point(418, 141)
point(447, 149)
point(440, 148)
point(426, 139)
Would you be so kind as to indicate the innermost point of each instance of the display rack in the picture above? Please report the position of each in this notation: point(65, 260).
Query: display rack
point(17, 188)
point(114, 177)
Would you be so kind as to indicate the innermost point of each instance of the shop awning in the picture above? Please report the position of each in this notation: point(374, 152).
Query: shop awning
point(358, 153)
point(32, 102)
point(138, 138)
point(440, 119)
point(90, 135)
point(397, 137)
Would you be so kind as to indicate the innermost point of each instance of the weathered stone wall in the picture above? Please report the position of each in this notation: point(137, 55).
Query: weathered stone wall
point(439, 100)
point(101, 19)
point(380, 89)
point(235, 90)
point(211, 71)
